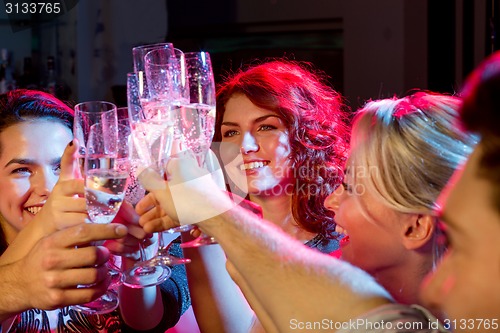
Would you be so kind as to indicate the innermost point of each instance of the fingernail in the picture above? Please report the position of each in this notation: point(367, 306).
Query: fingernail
point(70, 143)
point(121, 230)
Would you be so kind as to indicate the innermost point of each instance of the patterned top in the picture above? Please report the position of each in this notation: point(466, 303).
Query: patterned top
point(323, 244)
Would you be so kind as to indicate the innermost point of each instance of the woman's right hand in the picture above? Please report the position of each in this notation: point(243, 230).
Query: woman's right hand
point(66, 204)
point(191, 195)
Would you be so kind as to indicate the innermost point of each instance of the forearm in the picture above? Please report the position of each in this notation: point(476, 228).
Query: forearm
point(217, 301)
point(290, 280)
point(24, 242)
point(141, 308)
point(261, 322)
point(13, 300)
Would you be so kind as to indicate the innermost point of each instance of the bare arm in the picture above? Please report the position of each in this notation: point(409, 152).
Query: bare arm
point(217, 301)
point(140, 308)
point(290, 281)
point(287, 280)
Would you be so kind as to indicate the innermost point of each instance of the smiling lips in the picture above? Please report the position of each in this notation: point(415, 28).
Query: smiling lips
point(345, 236)
point(253, 165)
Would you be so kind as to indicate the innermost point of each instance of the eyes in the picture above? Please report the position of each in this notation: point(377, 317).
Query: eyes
point(347, 187)
point(261, 128)
point(27, 171)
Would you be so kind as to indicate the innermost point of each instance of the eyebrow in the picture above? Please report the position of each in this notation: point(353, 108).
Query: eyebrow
point(256, 120)
point(28, 161)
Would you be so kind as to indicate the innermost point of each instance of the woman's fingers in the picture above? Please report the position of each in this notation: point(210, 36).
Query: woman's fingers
point(69, 161)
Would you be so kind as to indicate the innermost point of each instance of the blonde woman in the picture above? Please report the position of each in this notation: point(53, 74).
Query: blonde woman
point(403, 153)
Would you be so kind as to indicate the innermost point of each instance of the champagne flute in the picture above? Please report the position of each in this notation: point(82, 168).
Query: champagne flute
point(195, 121)
point(165, 73)
point(88, 114)
point(138, 54)
point(148, 133)
point(142, 274)
point(106, 169)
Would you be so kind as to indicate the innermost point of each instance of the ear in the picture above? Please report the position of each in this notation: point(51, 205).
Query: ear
point(418, 231)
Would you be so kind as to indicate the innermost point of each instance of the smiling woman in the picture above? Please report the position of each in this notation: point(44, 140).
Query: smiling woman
point(286, 129)
point(30, 163)
point(403, 152)
point(34, 130)
point(39, 198)
point(290, 127)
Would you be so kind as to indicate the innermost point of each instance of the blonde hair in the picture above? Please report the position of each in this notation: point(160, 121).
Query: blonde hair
point(414, 144)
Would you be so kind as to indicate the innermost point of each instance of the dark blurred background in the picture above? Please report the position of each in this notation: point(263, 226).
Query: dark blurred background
point(369, 49)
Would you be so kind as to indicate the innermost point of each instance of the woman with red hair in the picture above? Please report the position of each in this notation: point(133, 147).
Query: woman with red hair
point(286, 129)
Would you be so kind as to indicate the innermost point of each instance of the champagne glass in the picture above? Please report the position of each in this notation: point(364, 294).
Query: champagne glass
point(106, 169)
point(88, 114)
point(166, 73)
point(138, 54)
point(142, 274)
point(152, 141)
point(195, 121)
point(135, 191)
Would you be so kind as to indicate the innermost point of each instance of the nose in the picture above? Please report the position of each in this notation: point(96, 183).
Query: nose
point(249, 144)
point(43, 183)
point(332, 201)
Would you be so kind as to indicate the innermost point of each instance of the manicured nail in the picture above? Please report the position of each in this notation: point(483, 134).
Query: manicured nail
point(70, 143)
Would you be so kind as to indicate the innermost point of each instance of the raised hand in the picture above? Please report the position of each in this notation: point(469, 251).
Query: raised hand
point(66, 204)
point(192, 194)
point(152, 217)
point(48, 276)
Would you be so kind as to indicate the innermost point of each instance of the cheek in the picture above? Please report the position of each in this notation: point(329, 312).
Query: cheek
point(283, 148)
point(13, 190)
point(278, 145)
point(12, 195)
point(348, 212)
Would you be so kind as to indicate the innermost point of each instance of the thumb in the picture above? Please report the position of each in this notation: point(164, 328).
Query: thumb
point(69, 162)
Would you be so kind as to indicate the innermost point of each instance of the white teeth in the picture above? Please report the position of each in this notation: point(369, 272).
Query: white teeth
point(253, 165)
point(340, 230)
point(33, 210)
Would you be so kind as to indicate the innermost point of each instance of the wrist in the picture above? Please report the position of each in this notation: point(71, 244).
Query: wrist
point(199, 199)
point(15, 293)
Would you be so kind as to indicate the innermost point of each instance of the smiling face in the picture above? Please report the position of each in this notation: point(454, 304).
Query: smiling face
point(29, 168)
point(466, 283)
point(262, 138)
point(372, 230)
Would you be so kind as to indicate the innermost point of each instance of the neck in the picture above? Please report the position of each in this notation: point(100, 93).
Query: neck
point(403, 281)
point(278, 210)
